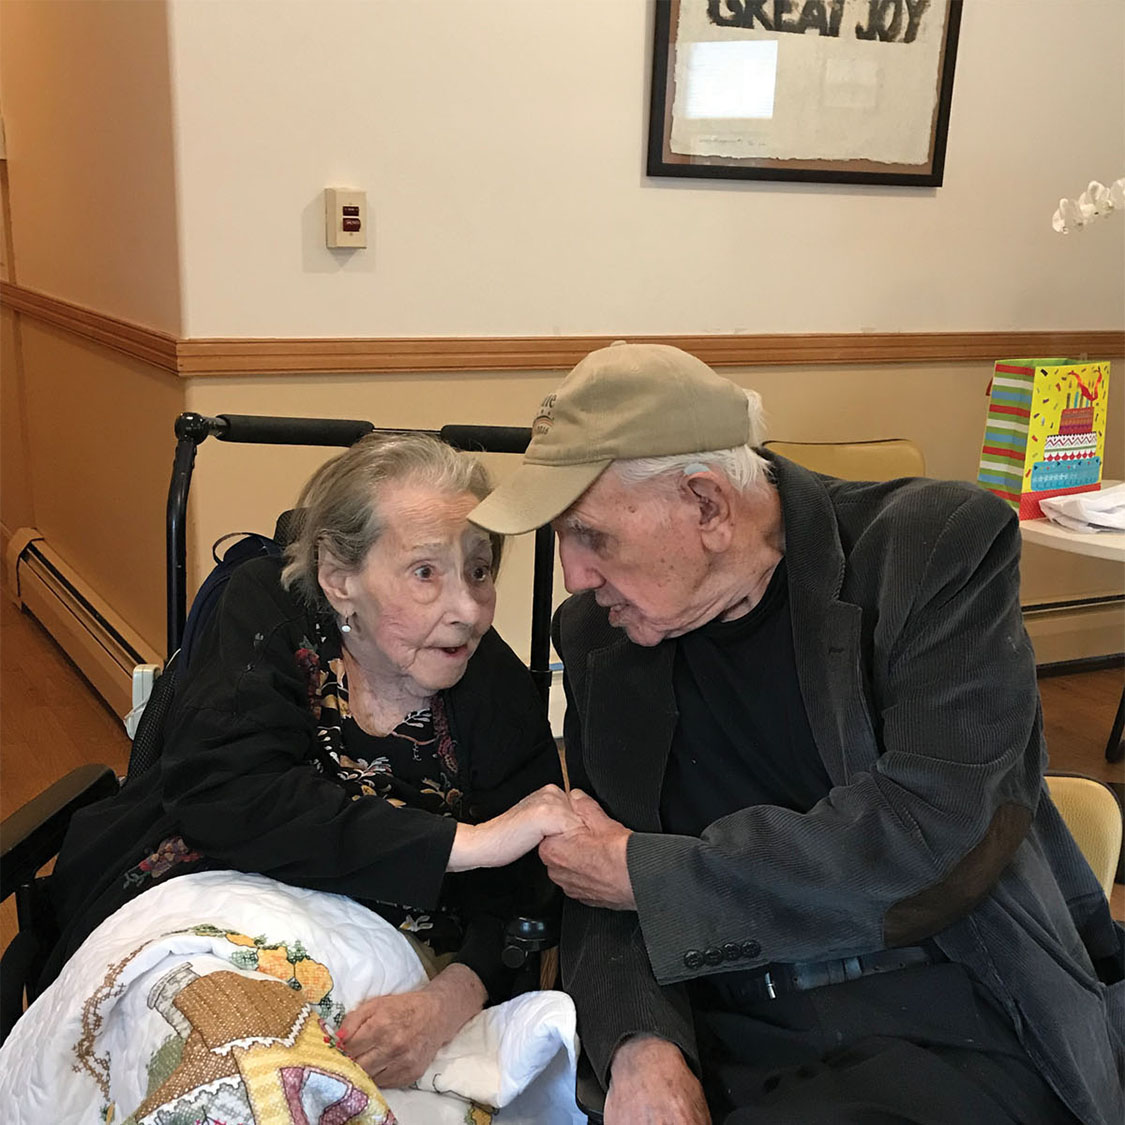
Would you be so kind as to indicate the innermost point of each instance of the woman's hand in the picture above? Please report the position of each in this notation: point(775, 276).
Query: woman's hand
point(394, 1038)
point(506, 837)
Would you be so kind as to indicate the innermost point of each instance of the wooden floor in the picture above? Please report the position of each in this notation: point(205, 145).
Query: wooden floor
point(51, 720)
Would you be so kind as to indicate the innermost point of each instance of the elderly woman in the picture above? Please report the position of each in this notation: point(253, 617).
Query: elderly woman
point(351, 723)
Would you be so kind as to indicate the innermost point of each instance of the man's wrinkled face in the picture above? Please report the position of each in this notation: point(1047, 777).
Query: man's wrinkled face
point(637, 546)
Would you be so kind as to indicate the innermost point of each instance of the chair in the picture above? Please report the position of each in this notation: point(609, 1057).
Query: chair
point(886, 459)
point(32, 835)
point(1093, 816)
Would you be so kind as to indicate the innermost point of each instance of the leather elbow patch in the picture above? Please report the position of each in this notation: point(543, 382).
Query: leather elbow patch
point(970, 880)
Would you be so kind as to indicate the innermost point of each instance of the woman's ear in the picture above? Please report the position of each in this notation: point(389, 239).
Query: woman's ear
point(335, 581)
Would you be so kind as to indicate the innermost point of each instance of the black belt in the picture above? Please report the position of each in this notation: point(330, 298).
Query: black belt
point(772, 981)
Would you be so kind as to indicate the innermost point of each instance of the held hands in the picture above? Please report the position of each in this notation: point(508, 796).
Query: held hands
point(588, 862)
point(506, 837)
point(583, 849)
point(394, 1038)
point(651, 1084)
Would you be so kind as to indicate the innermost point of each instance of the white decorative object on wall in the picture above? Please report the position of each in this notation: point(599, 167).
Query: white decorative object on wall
point(1095, 202)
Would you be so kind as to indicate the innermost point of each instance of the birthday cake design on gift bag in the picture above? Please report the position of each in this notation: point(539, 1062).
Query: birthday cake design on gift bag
point(1071, 454)
point(1045, 433)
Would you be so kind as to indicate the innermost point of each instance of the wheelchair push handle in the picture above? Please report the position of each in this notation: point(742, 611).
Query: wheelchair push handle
point(487, 439)
point(266, 430)
point(291, 431)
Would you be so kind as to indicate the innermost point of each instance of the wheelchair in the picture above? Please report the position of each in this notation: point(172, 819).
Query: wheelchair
point(34, 833)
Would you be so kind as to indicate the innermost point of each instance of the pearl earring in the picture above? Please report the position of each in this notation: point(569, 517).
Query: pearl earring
point(344, 626)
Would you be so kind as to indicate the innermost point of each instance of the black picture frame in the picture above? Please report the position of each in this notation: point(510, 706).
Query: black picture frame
point(663, 161)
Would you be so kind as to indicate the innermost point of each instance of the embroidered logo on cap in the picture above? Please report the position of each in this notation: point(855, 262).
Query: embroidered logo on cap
point(545, 419)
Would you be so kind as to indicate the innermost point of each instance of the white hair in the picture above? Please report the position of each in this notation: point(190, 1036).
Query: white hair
point(742, 465)
point(341, 504)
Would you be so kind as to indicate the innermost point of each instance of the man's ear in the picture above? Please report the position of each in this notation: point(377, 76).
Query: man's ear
point(336, 581)
point(711, 495)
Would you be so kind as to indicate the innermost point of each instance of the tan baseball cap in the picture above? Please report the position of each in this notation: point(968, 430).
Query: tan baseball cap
point(624, 401)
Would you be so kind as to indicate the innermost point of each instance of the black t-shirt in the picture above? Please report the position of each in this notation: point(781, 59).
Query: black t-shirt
point(743, 737)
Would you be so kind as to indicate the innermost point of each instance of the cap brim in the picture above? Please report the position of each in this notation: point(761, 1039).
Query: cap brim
point(534, 495)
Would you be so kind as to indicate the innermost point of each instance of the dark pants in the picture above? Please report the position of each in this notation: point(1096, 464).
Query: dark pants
point(922, 1045)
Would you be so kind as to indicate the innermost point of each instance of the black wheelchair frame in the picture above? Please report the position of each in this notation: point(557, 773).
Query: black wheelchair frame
point(193, 429)
point(31, 836)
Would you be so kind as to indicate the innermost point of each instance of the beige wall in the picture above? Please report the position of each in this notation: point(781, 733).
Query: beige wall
point(166, 159)
point(17, 508)
point(941, 407)
point(502, 143)
point(506, 192)
point(100, 431)
point(85, 452)
point(87, 100)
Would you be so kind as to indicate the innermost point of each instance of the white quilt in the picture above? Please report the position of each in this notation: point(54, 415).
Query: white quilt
point(171, 1013)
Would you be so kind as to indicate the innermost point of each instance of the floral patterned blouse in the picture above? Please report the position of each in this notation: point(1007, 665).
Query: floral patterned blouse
point(415, 765)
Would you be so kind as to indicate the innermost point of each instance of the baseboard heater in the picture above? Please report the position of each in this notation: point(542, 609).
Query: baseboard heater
point(1075, 631)
point(105, 650)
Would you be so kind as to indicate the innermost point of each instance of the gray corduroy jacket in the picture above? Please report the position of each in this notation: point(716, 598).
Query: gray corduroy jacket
point(919, 683)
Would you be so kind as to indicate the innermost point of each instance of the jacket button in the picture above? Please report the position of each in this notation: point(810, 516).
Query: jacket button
point(713, 956)
point(731, 951)
point(751, 949)
point(693, 959)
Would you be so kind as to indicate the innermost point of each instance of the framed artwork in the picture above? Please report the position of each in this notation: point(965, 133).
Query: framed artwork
point(827, 91)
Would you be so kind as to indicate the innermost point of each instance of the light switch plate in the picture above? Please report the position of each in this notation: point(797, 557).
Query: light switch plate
point(345, 218)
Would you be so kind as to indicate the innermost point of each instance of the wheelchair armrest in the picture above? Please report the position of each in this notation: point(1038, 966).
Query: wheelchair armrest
point(34, 832)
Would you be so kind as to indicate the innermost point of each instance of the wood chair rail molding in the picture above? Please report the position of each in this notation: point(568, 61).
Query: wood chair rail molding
point(389, 355)
point(156, 348)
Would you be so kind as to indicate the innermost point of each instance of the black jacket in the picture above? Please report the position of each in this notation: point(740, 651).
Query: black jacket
point(236, 781)
point(919, 684)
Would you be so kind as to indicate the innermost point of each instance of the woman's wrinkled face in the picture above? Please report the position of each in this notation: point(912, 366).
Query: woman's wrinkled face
point(424, 596)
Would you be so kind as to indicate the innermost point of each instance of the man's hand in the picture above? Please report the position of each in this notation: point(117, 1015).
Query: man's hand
point(394, 1038)
point(588, 862)
point(651, 1084)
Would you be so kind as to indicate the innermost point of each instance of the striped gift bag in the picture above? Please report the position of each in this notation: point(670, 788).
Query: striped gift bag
point(1045, 433)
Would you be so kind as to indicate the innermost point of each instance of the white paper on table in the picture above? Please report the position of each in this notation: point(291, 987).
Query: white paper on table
point(1088, 511)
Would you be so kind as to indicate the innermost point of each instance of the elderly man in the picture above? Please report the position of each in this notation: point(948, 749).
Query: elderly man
point(821, 881)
